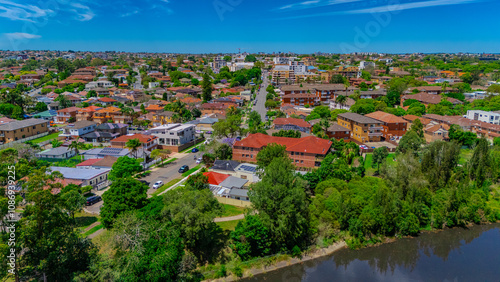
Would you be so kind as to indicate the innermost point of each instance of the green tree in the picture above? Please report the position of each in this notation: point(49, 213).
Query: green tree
point(363, 106)
point(224, 152)
point(124, 167)
point(379, 157)
point(133, 145)
point(410, 142)
point(206, 86)
point(128, 194)
point(193, 212)
point(251, 238)
point(269, 153)
point(41, 107)
point(282, 204)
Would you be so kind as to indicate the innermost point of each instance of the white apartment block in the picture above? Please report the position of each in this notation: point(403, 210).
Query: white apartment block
point(174, 134)
point(484, 116)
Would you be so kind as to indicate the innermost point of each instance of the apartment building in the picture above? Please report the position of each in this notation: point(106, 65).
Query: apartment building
point(171, 136)
point(313, 94)
point(363, 128)
point(484, 116)
point(394, 127)
point(87, 113)
point(281, 74)
point(292, 124)
point(22, 129)
point(64, 115)
point(306, 152)
point(429, 99)
point(345, 71)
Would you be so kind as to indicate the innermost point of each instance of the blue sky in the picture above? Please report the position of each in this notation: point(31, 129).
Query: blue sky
point(212, 26)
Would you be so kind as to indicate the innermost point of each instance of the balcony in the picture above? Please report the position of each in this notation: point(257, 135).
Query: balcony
point(374, 134)
point(376, 128)
point(2, 134)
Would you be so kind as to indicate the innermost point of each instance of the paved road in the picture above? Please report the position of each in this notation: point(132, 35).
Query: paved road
point(170, 172)
point(261, 98)
point(229, 218)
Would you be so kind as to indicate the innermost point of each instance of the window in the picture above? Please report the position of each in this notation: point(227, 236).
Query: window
point(243, 177)
point(22, 129)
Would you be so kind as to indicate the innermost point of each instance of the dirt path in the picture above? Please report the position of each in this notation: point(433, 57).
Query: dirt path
point(229, 218)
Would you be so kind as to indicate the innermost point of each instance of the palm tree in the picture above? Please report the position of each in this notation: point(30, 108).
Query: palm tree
point(133, 145)
point(347, 85)
point(75, 145)
point(341, 99)
point(444, 86)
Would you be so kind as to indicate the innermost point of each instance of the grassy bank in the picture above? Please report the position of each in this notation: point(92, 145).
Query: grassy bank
point(166, 186)
point(46, 138)
point(230, 210)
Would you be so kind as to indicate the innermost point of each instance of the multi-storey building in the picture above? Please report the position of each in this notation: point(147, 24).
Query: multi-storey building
point(87, 113)
point(363, 129)
point(306, 152)
point(394, 127)
point(484, 116)
point(64, 115)
point(22, 129)
point(171, 136)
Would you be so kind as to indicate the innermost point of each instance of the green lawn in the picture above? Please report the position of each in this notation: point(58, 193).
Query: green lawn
point(166, 186)
point(229, 225)
point(185, 174)
point(230, 210)
point(465, 155)
point(93, 230)
point(167, 162)
point(46, 138)
point(368, 163)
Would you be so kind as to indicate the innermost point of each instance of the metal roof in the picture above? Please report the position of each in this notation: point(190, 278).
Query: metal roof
point(80, 173)
point(233, 182)
point(15, 125)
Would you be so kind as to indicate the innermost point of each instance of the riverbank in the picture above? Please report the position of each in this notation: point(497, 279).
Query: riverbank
point(278, 262)
point(282, 261)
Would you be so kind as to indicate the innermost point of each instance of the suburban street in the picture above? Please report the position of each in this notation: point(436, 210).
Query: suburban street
point(170, 171)
point(261, 98)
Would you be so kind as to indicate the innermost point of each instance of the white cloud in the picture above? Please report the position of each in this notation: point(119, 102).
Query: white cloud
point(407, 6)
point(129, 14)
point(22, 12)
point(314, 4)
point(83, 13)
point(21, 35)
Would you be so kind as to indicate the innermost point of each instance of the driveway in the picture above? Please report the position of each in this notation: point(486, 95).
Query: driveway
point(261, 99)
point(170, 171)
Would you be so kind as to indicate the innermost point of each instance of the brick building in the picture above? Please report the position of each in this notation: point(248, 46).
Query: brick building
point(363, 129)
point(307, 152)
point(394, 127)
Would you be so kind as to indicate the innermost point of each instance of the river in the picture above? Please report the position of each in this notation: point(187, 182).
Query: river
point(450, 255)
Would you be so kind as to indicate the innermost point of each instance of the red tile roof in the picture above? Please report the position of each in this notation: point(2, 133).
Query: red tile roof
point(310, 144)
point(142, 138)
point(295, 121)
point(107, 100)
point(88, 162)
point(215, 178)
point(386, 117)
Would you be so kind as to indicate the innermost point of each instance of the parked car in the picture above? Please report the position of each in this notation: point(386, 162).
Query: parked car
point(198, 161)
point(157, 184)
point(195, 150)
point(92, 200)
point(183, 169)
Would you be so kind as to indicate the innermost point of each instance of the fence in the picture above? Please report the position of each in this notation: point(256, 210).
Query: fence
point(233, 202)
point(10, 144)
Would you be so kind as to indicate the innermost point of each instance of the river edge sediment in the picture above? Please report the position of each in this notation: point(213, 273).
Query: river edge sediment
point(324, 252)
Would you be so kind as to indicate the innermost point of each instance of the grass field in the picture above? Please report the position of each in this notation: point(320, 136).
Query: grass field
point(187, 173)
point(229, 225)
point(93, 230)
point(166, 186)
point(46, 138)
point(230, 210)
point(465, 155)
point(368, 163)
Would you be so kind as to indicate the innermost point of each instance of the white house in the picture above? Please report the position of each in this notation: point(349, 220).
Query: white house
point(489, 117)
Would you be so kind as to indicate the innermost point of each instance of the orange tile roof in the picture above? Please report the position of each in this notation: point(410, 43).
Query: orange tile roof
point(386, 117)
point(154, 108)
point(310, 144)
point(68, 110)
point(295, 121)
point(90, 109)
point(215, 178)
point(107, 100)
point(109, 110)
point(142, 138)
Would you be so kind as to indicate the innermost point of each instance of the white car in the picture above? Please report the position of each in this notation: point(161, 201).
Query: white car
point(198, 161)
point(158, 184)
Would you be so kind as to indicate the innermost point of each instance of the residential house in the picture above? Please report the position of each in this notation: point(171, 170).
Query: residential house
point(432, 90)
point(49, 115)
point(247, 171)
point(23, 129)
point(363, 129)
point(428, 99)
point(79, 128)
point(161, 118)
point(292, 124)
point(106, 101)
point(211, 108)
point(174, 136)
point(64, 115)
point(99, 153)
point(149, 142)
point(435, 132)
point(394, 127)
point(225, 166)
point(484, 116)
point(87, 113)
point(334, 105)
point(111, 113)
point(95, 177)
point(59, 153)
point(334, 130)
point(106, 132)
point(307, 152)
point(106, 162)
point(204, 124)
